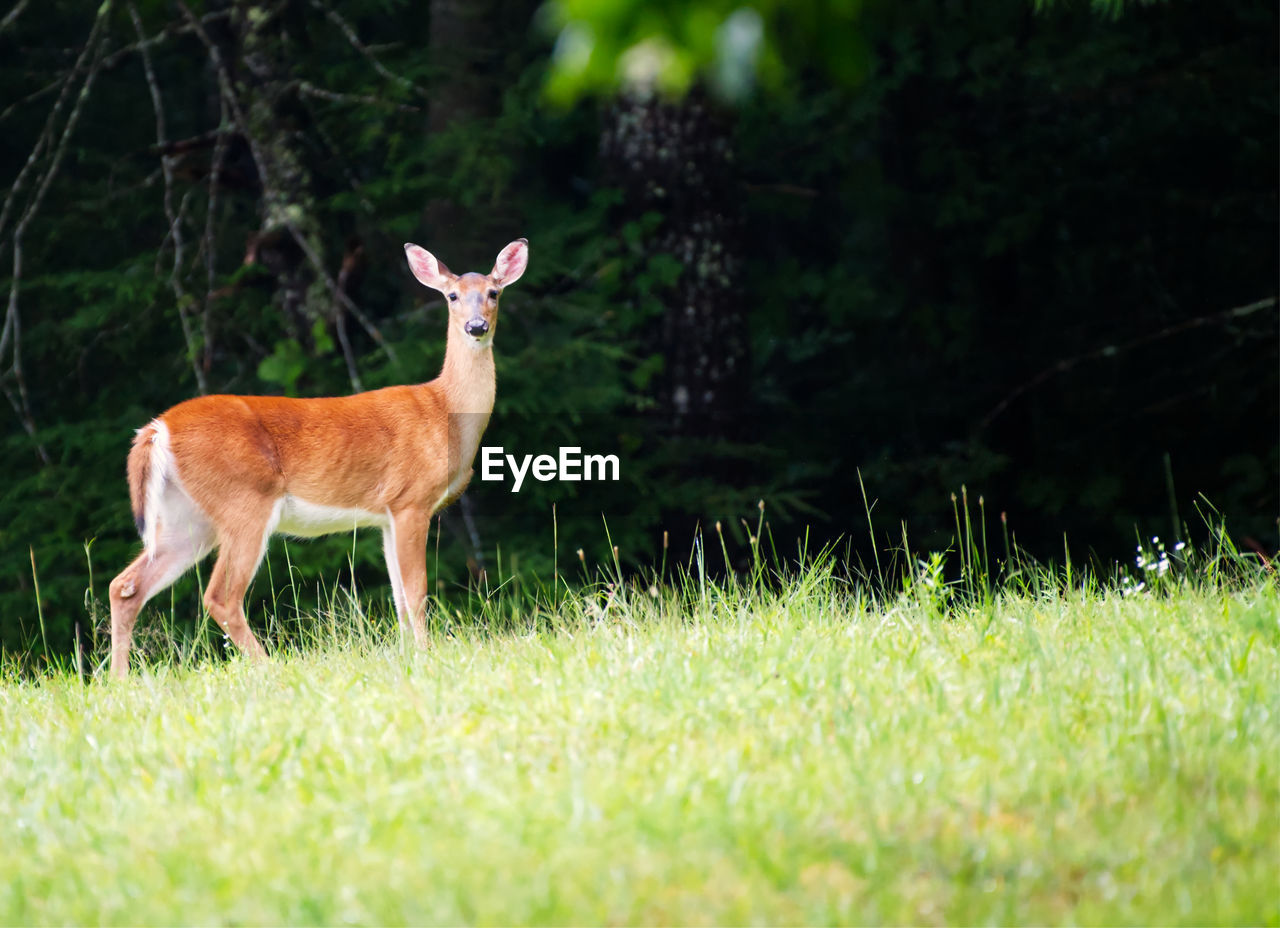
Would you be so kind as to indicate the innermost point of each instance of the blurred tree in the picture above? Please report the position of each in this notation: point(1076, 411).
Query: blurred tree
point(674, 162)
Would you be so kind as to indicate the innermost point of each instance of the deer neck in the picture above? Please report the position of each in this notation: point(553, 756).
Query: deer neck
point(467, 380)
point(467, 384)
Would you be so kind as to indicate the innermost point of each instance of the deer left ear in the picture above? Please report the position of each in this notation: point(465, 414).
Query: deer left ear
point(511, 262)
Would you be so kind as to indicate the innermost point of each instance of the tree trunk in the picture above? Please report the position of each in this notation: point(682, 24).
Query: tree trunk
point(264, 35)
point(676, 158)
point(461, 39)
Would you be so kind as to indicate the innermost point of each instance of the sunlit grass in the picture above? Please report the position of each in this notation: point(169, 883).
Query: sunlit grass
point(714, 755)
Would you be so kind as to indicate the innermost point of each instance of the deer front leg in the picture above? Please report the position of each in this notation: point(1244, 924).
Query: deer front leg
point(241, 549)
point(393, 573)
point(409, 534)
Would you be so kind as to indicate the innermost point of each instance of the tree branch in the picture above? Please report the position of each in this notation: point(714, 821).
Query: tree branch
point(311, 90)
point(170, 31)
point(13, 320)
point(208, 139)
point(13, 324)
point(12, 16)
point(1107, 351)
point(34, 95)
point(175, 220)
point(47, 132)
point(336, 18)
point(209, 243)
point(339, 295)
point(225, 86)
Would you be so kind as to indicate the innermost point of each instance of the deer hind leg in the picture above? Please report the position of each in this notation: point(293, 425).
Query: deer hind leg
point(182, 537)
point(241, 547)
point(408, 533)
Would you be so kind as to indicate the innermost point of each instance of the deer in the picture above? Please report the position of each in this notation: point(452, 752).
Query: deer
point(228, 472)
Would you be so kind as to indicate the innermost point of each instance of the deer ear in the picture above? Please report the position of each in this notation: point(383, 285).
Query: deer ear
point(511, 262)
point(427, 269)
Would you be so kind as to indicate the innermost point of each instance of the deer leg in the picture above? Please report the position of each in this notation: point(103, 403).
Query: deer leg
point(240, 551)
point(393, 571)
point(409, 531)
point(176, 549)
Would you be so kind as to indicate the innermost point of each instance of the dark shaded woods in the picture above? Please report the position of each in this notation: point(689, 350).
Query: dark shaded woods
point(1033, 255)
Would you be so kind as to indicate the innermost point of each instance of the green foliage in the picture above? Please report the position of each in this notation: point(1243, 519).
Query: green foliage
point(603, 47)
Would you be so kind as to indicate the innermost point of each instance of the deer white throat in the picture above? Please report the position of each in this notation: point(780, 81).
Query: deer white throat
point(468, 385)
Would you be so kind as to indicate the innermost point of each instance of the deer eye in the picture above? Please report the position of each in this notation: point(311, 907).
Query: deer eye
point(493, 294)
point(453, 297)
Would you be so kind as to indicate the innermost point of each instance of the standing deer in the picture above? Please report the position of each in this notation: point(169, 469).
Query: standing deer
point(228, 472)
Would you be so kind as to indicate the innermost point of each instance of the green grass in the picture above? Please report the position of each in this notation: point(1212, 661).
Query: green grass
point(713, 756)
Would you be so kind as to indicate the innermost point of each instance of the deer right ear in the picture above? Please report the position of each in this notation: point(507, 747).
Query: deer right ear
point(426, 268)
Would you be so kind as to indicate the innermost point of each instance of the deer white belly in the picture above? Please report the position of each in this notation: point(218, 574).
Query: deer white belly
point(304, 519)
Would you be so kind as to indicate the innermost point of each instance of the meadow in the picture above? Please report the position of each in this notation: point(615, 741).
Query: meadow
point(760, 750)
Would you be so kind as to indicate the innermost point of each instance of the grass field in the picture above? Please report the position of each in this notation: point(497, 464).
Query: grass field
point(708, 756)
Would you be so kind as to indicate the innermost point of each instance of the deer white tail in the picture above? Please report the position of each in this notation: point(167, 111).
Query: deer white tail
point(156, 493)
point(139, 473)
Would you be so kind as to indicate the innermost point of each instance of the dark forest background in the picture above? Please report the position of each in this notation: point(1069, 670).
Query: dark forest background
point(1031, 252)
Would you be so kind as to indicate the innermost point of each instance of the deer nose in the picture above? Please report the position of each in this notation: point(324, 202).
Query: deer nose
point(477, 327)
